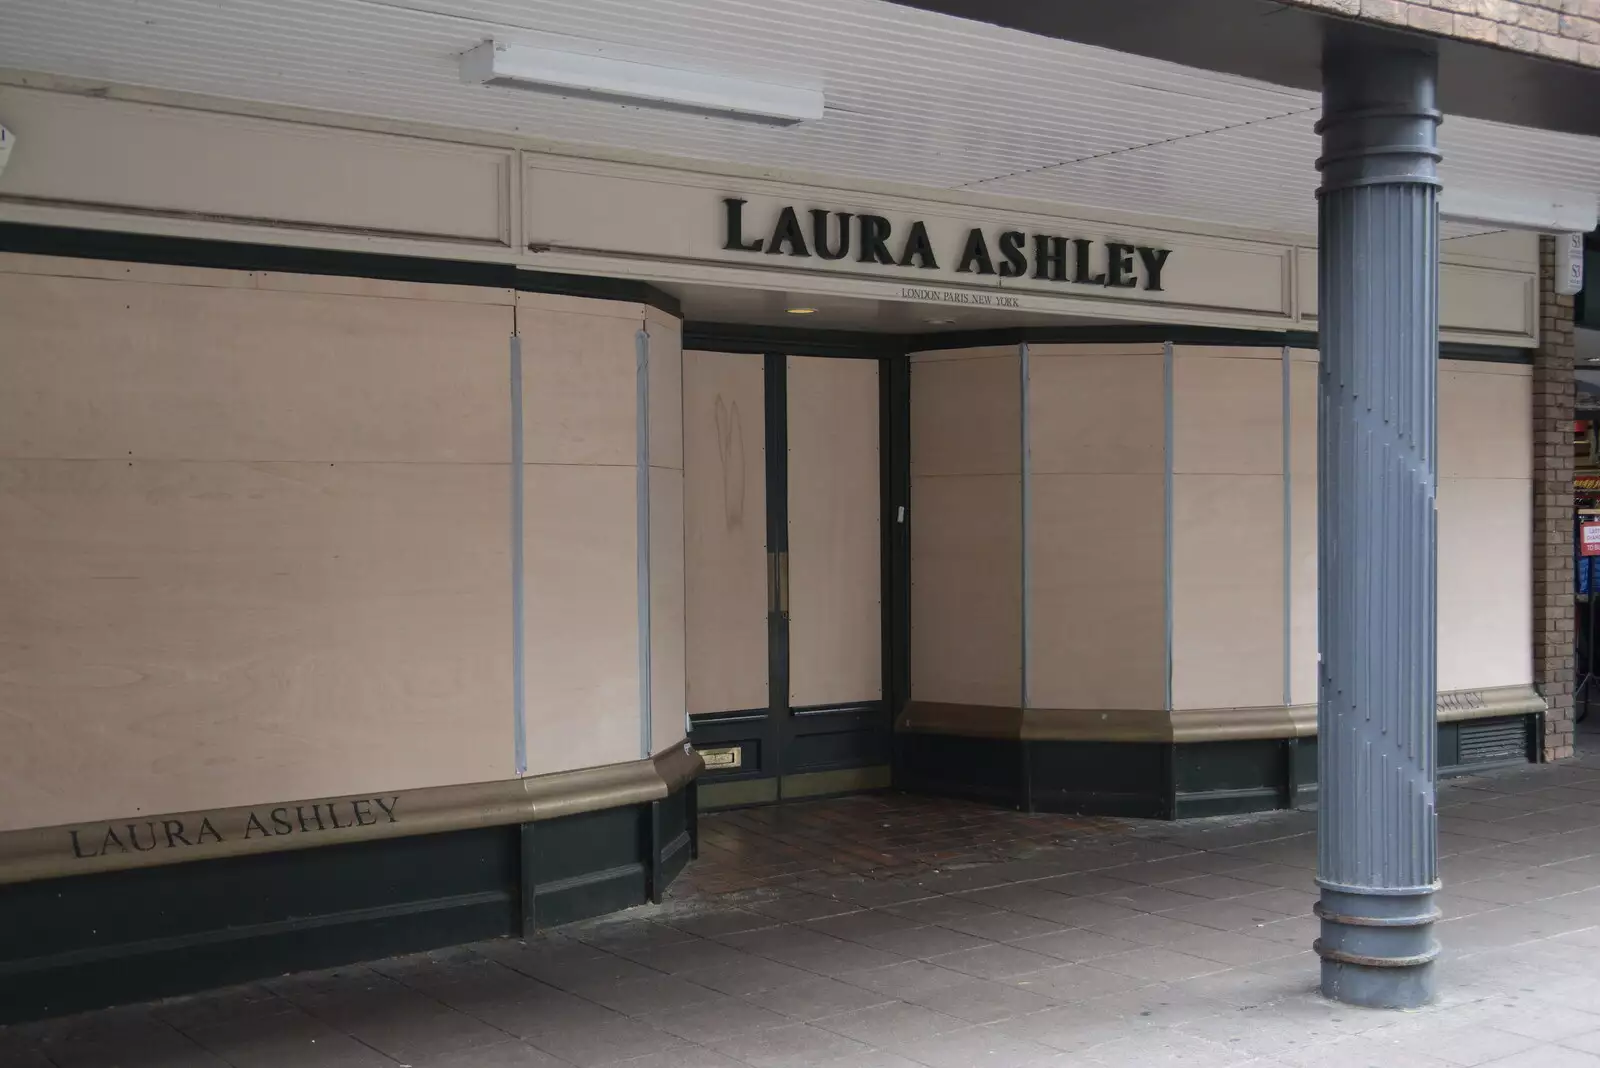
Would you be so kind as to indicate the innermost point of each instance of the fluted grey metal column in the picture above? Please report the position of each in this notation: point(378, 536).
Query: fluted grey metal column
point(1378, 318)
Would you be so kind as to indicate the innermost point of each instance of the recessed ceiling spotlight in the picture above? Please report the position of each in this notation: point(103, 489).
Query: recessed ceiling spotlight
point(802, 311)
point(651, 85)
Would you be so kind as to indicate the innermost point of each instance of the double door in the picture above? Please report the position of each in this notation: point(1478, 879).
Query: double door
point(783, 575)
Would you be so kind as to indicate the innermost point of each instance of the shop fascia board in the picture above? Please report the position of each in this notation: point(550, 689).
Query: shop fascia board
point(528, 154)
point(1543, 213)
point(556, 150)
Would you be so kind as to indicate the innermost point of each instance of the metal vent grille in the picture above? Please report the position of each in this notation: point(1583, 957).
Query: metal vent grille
point(1486, 741)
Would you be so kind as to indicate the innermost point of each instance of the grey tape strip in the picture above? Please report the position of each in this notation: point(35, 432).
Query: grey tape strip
point(642, 462)
point(1166, 510)
point(1027, 517)
point(519, 678)
point(1288, 519)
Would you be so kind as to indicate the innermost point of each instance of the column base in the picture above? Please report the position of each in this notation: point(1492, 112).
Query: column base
point(1377, 949)
point(1378, 988)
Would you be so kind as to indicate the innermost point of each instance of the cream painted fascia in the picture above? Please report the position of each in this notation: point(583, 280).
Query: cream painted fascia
point(554, 148)
point(1296, 250)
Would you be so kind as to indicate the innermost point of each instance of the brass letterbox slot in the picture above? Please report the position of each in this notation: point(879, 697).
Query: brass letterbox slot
point(731, 756)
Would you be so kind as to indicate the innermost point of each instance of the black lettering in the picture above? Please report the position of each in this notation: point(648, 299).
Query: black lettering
point(77, 849)
point(316, 814)
point(133, 836)
point(1155, 261)
point(174, 829)
point(388, 810)
point(364, 815)
point(1016, 264)
point(788, 232)
point(975, 257)
point(819, 234)
point(1081, 274)
point(333, 818)
point(873, 231)
point(1119, 265)
point(919, 248)
point(280, 821)
point(735, 241)
point(206, 828)
point(110, 840)
point(1050, 257)
point(254, 824)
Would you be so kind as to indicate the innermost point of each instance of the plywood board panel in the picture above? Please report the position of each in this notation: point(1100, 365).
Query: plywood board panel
point(1227, 413)
point(1485, 423)
point(218, 278)
point(580, 387)
point(725, 532)
point(1303, 409)
point(1096, 414)
point(666, 609)
point(1485, 582)
point(666, 395)
point(180, 636)
point(966, 417)
point(1048, 348)
point(98, 369)
point(1303, 590)
point(966, 590)
point(581, 603)
point(978, 353)
point(1097, 637)
point(1231, 352)
point(835, 546)
point(1227, 591)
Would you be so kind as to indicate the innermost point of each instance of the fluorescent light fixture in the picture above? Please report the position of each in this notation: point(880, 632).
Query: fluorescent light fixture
point(640, 84)
point(802, 311)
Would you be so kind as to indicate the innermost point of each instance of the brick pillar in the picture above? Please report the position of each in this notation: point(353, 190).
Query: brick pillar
point(1554, 394)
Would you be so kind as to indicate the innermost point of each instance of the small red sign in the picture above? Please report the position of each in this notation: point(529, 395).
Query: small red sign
point(1589, 539)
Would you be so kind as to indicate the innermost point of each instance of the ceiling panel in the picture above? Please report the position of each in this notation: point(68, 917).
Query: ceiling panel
point(913, 97)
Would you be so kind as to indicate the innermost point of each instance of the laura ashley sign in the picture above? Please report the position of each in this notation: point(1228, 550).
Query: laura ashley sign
point(265, 822)
point(872, 239)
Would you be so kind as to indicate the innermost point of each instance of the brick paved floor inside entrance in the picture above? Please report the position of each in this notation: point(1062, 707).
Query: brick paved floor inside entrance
point(895, 932)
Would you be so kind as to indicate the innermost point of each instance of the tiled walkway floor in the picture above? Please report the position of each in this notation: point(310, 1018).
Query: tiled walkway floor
point(889, 932)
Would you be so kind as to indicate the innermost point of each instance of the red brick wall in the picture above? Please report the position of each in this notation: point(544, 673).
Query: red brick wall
point(1561, 29)
point(1553, 398)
